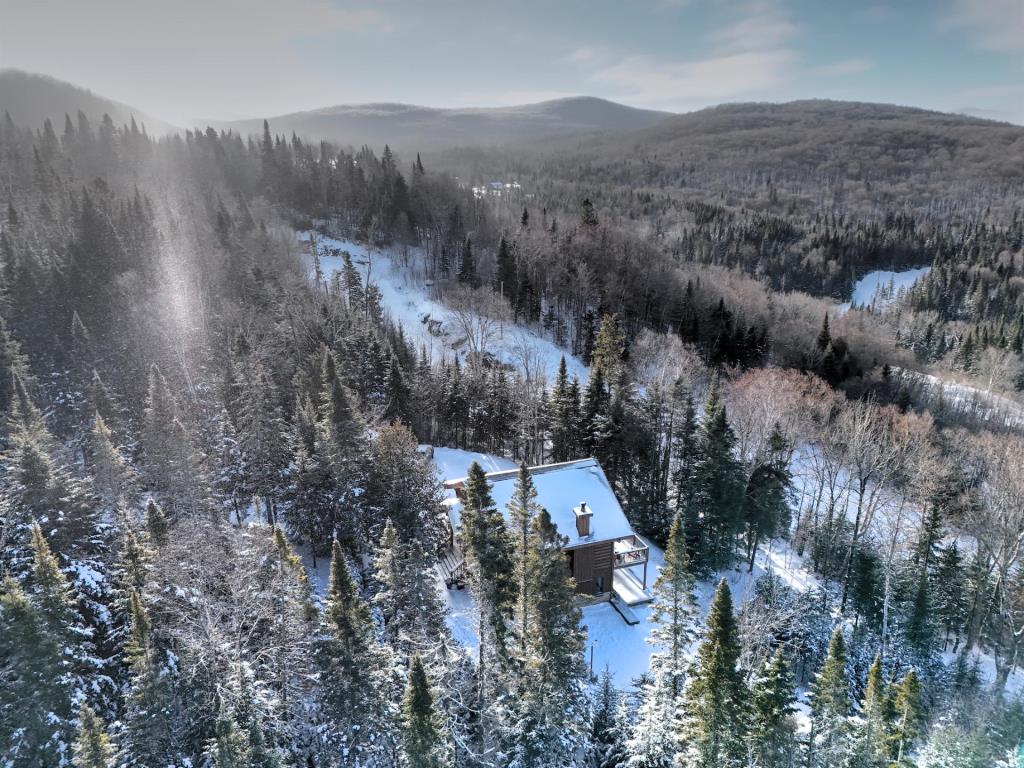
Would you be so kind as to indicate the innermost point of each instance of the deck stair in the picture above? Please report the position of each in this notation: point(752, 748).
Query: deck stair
point(453, 568)
point(628, 589)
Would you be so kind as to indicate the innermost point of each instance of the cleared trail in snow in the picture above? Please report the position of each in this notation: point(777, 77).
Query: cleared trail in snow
point(426, 321)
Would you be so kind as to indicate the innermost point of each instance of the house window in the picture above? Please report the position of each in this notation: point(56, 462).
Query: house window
point(599, 585)
point(570, 558)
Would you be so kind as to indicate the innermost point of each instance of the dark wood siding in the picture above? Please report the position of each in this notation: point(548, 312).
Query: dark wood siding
point(590, 563)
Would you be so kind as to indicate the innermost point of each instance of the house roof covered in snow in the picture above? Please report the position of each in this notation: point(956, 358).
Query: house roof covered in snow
point(560, 489)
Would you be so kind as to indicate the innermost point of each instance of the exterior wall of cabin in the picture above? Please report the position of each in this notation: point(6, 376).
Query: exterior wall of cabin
point(591, 567)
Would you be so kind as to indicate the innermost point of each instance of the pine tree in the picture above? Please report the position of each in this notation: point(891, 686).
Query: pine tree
point(950, 599)
point(718, 483)
point(157, 526)
point(654, 739)
point(467, 274)
point(674, 611)
point(12, 366)
point(547, 727)
point(875, 711)
point(773, 729)
point(564, 416)
point(686, 460)
point(715, 707)
point(605, 707)
point(407, 596)
point(907, 716)
point(111, 475)
point(830, 706)
point(349, 658)
point(401, 486)
point(261, 431)
point(35, 707)
point(92, 748)
point(145, 738)
point(43, 488)
point(489, 560)
point(423, 742)
point(609, 349)
point(505, 275)
point(522, 511)
point(766, 499)
point(594, 416)
point(824, 336)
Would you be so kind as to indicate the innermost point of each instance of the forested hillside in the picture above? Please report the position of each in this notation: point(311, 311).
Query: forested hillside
point(28, 100)
point(415, 128)
point(219, 532)
point(808, 195)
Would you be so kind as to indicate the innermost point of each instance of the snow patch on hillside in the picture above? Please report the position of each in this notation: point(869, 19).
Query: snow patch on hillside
point(877, 290)
point(426, 321)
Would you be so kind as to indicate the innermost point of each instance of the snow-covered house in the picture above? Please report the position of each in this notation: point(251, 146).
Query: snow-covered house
point(584, 508)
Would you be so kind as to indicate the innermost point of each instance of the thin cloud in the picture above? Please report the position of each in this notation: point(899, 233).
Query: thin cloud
point(746, 58)
point(763, 26)
point(218, 58)
point(846, 67)
point(995, 25)
point(656, 82)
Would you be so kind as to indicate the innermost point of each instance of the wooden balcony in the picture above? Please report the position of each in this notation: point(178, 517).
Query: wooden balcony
point(629, 551)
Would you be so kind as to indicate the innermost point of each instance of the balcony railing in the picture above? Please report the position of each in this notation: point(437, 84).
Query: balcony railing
point(629, 551)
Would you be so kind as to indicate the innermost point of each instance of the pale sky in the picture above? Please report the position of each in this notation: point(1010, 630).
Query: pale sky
point(185, 60)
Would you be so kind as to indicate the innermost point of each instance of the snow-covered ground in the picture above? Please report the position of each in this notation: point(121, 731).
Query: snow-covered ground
point(610, 641)
point(878, 289)
point(624, 649)
point(964, 398)
point(426, 321)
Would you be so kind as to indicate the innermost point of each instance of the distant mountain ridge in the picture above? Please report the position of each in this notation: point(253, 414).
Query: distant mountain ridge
point(415, 127)
point(891, 154)
point(31, 98)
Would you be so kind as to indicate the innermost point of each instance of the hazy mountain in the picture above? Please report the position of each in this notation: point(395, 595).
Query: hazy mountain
point(29, 99)
point(852, 140)
point(811, 155)
point(415, 127)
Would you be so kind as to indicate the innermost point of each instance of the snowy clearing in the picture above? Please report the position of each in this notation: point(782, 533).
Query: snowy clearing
point(877, 290)
point(429, 323)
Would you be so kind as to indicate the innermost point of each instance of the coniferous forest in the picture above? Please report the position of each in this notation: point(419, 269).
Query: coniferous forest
point(221, 523)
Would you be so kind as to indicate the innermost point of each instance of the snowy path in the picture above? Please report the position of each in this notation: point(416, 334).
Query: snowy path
point(426, 321)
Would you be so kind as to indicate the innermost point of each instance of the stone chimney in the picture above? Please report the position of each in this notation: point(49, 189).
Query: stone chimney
point(583, 516)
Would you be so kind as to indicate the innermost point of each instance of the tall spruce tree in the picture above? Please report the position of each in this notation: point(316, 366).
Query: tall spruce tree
point(35, 707)
point(467, 274)
point(876, 714)
point(422, 737)
point(548, 726)
point(718, 483)
point(773, 727)
point(674, 611)
point(766, 499)
point(522, 511)
point(92, 747)
point(715, 722)
point(489, 559)
point(146, 737)
point(908, 716)
point(829, 741)
point(350, 661)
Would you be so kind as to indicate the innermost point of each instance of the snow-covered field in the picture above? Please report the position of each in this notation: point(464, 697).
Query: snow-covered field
point(878, 289)
point(426, 321)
